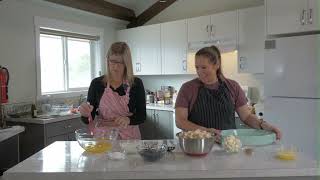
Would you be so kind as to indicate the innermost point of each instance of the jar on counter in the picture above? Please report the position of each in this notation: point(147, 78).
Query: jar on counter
point(167, 97)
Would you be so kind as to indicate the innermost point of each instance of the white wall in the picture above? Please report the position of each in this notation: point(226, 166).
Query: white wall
point(17, 40)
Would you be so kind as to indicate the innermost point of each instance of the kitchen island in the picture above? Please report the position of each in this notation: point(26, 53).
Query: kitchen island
point(67, 160)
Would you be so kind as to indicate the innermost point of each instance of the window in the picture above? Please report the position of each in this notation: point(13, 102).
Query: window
point(66, 61)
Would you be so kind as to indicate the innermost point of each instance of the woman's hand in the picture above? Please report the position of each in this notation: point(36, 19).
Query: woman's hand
point(85, 109)
point(278, 132)
point(269, 127)
point(122, 121)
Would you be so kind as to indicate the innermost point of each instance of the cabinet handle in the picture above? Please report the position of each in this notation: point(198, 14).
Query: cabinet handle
point(184, 65)
point(213, 31)
point(207, 28)
point(138, 67)
point(303, 17)
point(310, 16)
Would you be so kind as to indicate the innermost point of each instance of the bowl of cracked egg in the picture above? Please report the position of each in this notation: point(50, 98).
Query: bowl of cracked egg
point(92, 143)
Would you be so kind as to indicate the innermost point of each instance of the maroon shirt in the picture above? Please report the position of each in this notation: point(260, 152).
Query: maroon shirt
point(189, 91)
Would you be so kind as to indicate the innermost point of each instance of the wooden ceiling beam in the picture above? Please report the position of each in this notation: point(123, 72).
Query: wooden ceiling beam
point(149, 13)
point(100, 7)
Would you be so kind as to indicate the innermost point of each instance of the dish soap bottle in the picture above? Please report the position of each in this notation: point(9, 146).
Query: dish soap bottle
point(34, 112)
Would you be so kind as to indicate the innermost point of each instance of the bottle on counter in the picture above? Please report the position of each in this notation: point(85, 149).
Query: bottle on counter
point(167, 98)
point(174, 97)
point(34, 111)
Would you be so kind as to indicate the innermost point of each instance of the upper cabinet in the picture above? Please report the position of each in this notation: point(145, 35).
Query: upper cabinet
point(224, 26)
point(174, 47)
point(251, 40)
point(291, 16)
point(144, 43)
point(313, 18)
point(167, 48)
point(130, 36)
point(199, 29)
point(221, 26)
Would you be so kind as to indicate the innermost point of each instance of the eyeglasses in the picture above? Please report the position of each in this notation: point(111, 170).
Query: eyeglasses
point(114, 62)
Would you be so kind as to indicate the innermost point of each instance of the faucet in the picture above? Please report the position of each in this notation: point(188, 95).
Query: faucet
point(82, 98)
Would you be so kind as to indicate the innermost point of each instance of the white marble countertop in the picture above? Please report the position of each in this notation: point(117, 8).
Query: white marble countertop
point(44, 120)
point(9, 132)
point(67, 160)
point(161, 107)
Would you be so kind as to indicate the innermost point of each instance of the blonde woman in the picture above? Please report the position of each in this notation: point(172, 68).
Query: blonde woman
point(117, 97)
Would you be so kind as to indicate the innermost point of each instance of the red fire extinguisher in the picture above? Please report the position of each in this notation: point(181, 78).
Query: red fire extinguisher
point(4, 82)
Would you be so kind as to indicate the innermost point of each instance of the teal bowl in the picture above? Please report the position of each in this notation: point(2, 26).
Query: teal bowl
point(251, 137)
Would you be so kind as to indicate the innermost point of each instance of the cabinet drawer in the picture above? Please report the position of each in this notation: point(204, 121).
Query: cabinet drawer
point(63, 137)
point(74, 124)
point(57, 128)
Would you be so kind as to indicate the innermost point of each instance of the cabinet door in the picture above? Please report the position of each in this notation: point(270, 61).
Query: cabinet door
point(313, 15)
point(285, 16)
point(164, 124)
point(251, 40)
point(224, 26)
point(130, 36)
point(147, 129)
point(57, 128)
point(198, 29)
point(63, 137)
point(174, 47)
point(149, 49)
point(74, 124)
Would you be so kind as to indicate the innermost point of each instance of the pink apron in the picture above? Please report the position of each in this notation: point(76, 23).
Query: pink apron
point(113, 105)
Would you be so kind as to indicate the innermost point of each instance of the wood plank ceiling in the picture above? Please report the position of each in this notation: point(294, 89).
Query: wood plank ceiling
point(105, 8)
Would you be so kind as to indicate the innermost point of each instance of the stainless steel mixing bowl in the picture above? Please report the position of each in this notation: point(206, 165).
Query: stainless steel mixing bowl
point(196, 147)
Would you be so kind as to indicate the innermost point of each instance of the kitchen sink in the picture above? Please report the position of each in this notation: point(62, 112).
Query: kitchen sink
point(6, 129)
point(47, 116)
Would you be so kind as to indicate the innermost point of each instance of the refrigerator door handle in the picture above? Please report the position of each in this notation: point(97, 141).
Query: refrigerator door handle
point(303, 17)
point(310, 16)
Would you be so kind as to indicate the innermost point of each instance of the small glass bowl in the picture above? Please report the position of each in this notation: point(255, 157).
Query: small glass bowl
point(95, 144)
point(152, 153)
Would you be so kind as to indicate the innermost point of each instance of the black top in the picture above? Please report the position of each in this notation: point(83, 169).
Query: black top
point(137, 102)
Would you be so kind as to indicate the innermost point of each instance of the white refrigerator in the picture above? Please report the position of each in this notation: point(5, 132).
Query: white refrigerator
point(292, 100)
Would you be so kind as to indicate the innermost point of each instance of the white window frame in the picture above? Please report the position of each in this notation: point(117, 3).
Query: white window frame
point(98, 53)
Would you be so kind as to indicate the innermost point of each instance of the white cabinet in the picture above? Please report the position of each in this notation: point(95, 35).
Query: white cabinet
point(174, 47)
point(224, 26)
point(199, 29)
point(144, 43)
point(130, 36)
point(149, 44)
point(221, 26)
point(291, 16)
point(251, 40)
point(313, 15)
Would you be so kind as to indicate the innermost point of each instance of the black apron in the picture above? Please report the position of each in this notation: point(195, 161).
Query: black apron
point(213, 108)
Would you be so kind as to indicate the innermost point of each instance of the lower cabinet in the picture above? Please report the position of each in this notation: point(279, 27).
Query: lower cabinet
point(158, 125)
point(37, 136)
point(9, 153)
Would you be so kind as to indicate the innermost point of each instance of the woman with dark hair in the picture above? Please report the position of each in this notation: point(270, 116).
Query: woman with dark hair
point(210, 101)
